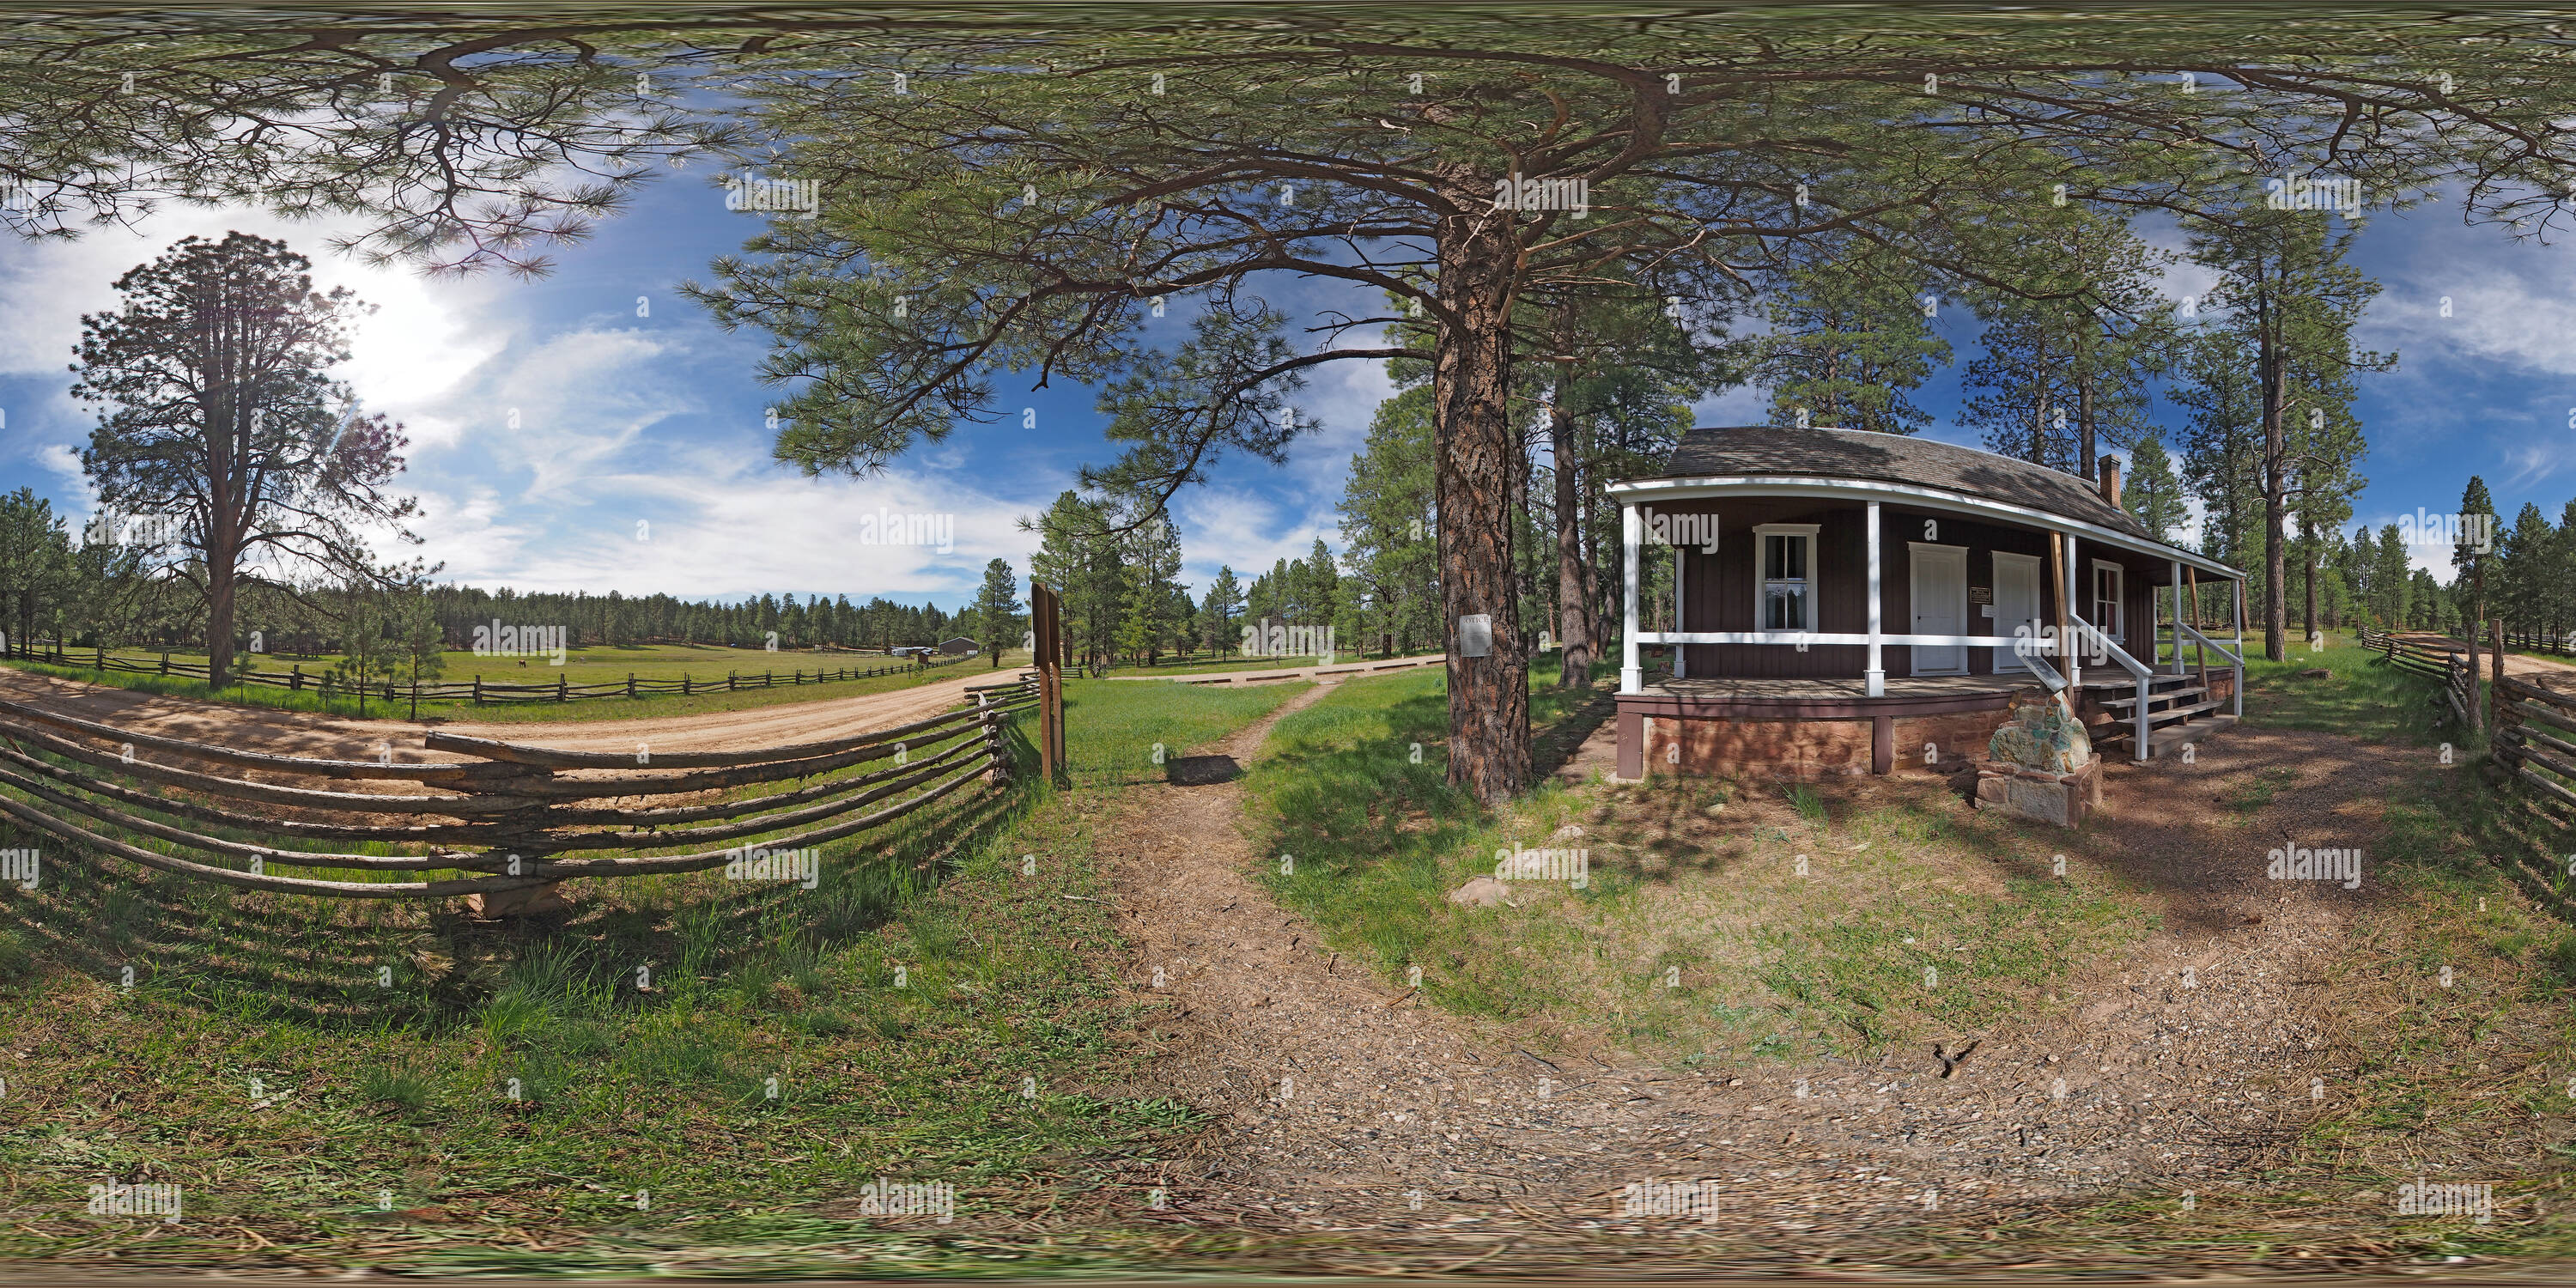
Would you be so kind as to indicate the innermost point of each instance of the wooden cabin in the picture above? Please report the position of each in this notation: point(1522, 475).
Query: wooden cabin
point(1845, 599)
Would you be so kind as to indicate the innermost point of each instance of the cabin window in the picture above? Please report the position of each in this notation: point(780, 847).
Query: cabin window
point(2107, 601)
point(1786, 576)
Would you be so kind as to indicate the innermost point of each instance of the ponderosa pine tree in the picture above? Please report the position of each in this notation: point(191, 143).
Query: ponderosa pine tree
point(997, 609)
point(221, 428)
point(2152, 492)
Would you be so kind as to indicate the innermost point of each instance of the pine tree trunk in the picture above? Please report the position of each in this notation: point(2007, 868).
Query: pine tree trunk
point(1571, 607)
point(1489, 749)
point(2308, 570)
point(2084, 426)
point(2275, 479)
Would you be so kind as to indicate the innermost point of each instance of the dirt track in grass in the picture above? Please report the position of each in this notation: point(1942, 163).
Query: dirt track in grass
point(1342, 1101)
point(304, 733)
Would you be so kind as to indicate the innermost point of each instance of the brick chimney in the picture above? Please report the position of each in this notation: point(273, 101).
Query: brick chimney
point(2111, 480)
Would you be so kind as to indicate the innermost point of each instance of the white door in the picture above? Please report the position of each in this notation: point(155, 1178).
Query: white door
point(1940, 575)
point(2016, 603)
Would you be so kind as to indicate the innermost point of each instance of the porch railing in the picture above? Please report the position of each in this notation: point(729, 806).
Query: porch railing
point(2104, 646)
point(2235, 662)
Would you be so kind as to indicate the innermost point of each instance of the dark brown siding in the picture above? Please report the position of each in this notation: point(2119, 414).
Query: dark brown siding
point(1719, 590)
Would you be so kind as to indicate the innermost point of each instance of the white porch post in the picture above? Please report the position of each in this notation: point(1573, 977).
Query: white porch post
point(2075, 595)
point(1680, 652)
point(1876, 675)
point(1632, 678)
point(2176, 615)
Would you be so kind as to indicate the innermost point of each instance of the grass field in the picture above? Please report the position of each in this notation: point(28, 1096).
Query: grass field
point(582, 666)
point(696, 1062)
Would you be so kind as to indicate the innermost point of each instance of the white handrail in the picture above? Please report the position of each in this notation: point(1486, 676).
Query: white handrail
point(2234, 661)
point(2105, 646)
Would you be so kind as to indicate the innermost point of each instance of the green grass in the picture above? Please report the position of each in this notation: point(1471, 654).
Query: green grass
point(1698, 935)
point(584, 666)
point(904, 1010)
point(1207, 666)
point(1131, 731)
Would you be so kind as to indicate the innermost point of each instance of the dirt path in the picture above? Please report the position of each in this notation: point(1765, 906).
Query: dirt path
point(306, 734)
point(1343, 1101)
point(2515, 662)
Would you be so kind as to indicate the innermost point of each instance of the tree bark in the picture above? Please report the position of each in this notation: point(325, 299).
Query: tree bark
point(1572, 610)
point(1489, 750)
point(2084, 430)
point(2308, 573)
point(2275, 480)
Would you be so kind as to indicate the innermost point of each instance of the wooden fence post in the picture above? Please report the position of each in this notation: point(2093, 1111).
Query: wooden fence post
point(563, 689)
point(2495, 691)
point(630, 684)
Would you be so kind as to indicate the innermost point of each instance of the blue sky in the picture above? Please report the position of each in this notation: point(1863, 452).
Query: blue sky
point(640, 461)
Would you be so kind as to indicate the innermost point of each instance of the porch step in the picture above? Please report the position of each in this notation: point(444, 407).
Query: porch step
point(2162, 739)
point(2153, 695)
point(2173, 714)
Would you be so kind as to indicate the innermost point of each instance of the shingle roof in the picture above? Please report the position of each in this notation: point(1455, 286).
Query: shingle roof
point(1893, 458)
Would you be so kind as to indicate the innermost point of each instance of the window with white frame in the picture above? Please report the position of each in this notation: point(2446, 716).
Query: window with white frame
point(2107, 601)
point(1785, 576)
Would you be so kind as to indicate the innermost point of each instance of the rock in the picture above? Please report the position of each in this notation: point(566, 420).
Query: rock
point(1569, 832)
point(2316, 673)
point(1481, 892)
point(2042, 736)
point(529, 902)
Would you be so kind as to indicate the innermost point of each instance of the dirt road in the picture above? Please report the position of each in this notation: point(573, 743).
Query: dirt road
point(2515, 663)
point(305, 734)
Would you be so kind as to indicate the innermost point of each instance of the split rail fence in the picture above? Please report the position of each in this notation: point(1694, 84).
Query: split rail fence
point(2448, 668)
point(509, 817)
point(481, 692)
point(2535, 739)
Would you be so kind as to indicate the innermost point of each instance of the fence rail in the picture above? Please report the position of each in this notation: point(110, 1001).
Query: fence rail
point(510, 816)
point(2443, 666)
point(2535, 740)
point(479, 691)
